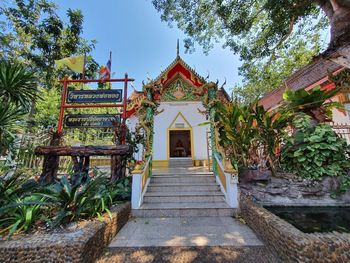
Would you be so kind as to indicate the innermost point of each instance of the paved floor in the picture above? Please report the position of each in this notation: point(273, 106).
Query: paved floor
point(189, 231)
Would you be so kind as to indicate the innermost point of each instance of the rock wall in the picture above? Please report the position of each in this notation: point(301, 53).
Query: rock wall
point(291, 244)
point(290, 189)
point(84, 244)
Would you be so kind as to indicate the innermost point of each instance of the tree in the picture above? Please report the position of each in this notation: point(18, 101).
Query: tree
point(255, 29)
point(34, 34)
point(18, 89)
point(18, 85)
point(262, 77)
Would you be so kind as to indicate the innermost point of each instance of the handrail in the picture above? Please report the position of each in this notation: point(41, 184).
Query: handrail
point(220, 173)
point(140, 182)
point(228, 181)
point(146, 173)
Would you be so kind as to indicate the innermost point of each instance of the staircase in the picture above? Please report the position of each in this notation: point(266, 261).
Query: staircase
point(180, 191)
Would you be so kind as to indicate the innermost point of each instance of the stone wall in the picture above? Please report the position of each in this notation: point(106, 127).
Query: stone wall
point(293, 190)
point(75, 244)
point(291, 244)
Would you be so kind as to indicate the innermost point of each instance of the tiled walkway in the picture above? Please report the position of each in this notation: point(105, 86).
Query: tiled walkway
point(187, 231)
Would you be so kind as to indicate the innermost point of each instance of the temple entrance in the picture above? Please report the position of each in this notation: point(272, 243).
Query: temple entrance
point(180, 144)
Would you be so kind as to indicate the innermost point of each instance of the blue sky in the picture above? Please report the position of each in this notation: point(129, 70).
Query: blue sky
point(141, 44)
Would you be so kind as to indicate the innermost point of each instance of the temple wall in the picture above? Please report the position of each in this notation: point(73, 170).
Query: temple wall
point(164, 120)
point(339, 117)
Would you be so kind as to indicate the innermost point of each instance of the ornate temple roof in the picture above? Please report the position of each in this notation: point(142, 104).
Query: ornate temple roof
point(179, 66)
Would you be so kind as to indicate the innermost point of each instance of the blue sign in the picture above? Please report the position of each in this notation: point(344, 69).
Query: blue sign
point(91, 120)
point(95, 96)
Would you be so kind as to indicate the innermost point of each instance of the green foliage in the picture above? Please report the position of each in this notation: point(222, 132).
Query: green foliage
point(17, 93)
point(315, 151)
point(20, 215)
point(262, 25)
point(79, 200)
point(264, 76)
point(236, 133)
point(13, 187)
point(35, 34)
point(274, 38)
point(47, 109)
point(270, 127)
point(24, 203)
point(18, 85)
point(313, 102)
point(249, 134)
point(19, 209)
point(9, 124)
point(121, 190)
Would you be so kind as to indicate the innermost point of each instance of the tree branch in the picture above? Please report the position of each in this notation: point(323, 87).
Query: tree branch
point(326, 6)
point(335, 5)
point(281, 41)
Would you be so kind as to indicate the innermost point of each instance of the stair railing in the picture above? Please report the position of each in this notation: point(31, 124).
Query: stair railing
point(227, 180)
point(140, 181)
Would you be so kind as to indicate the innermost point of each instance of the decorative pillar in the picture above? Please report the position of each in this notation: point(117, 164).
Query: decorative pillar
point(150, 122)
point(211, 97)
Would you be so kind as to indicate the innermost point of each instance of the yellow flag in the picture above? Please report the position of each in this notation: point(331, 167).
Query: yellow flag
point(74, 63)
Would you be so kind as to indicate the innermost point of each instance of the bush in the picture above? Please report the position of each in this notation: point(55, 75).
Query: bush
point(315, 151)
point(75, 201)
point(19, 208)
point(23, 202)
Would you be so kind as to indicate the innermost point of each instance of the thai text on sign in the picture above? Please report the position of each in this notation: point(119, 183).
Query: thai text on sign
point(91, 120)
point(95, 96)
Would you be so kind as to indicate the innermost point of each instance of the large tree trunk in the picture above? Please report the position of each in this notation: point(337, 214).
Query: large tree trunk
point(338, 13)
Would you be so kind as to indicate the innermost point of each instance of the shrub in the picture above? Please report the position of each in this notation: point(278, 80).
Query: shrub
point(314, 151)
point(20, 214)
point(19, 208)
point(72, 202)
point(121, 190)
point(24, 202)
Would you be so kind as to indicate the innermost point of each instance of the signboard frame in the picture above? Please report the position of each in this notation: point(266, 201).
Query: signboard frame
point(94, 96)
point(104, 123)
point(65, 105)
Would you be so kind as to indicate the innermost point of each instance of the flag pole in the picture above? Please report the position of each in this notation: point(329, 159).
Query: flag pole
point(110, 59)
point(83, 77)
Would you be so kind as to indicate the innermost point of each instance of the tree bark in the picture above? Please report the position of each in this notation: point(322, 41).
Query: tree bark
point(82, 150)
point(338, 13)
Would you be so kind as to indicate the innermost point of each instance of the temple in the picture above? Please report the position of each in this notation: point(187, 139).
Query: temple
point(180, 122)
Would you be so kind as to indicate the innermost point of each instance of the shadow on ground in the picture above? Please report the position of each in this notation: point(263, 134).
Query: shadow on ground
point(189, 254)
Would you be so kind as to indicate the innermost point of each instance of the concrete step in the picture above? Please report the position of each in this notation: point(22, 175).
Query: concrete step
point(180, 172)
point(183, 198)
point(183, 179)
point(212, 193)
point(192, 209)
point(198, 187)
point(180, 163)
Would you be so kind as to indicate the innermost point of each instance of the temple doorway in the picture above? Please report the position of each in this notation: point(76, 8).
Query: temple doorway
point(180, 144)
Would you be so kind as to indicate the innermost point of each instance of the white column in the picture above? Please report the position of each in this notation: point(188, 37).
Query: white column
point(136, 191)
point(231, 189)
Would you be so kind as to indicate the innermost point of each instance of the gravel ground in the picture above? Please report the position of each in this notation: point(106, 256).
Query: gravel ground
point(189, 254)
